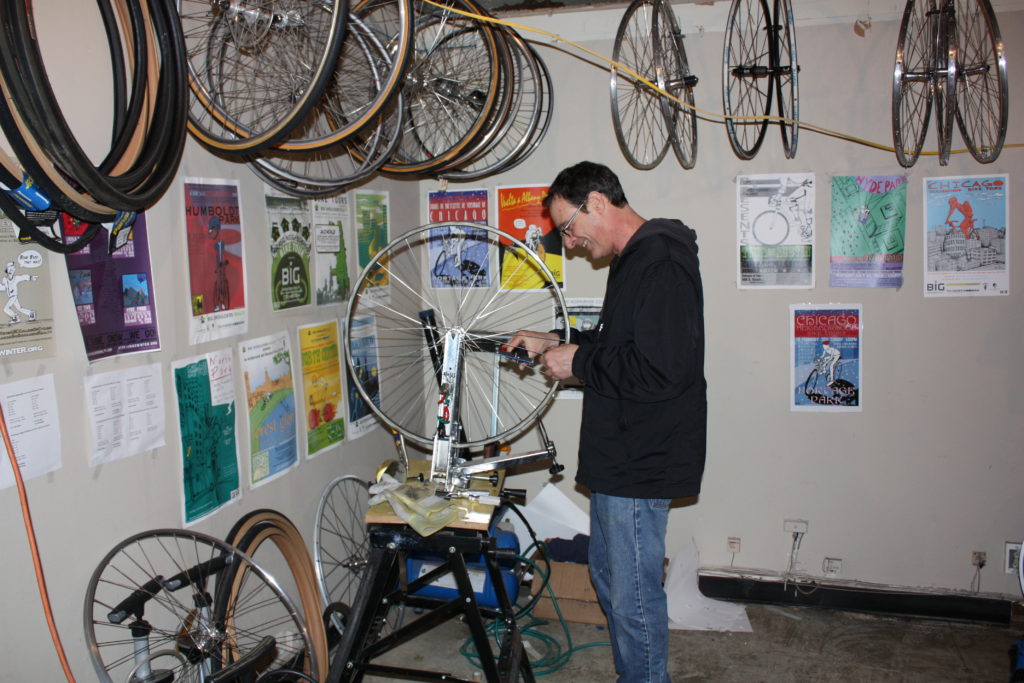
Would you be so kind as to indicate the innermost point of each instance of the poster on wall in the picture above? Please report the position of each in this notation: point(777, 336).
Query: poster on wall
point(584, 315)
point(363, 349)
point(205, 396)
point(372, 230)
point(966, 236)
point(869, 228)
point(30, 409)
point(216, 265)
point(270, 407)
point(126, 412)
point(522, 215)
point(290, 237)
point(825, 357)
point(321, 386)
point(26, 324)
point(113, 292)
point(775, 231)
point(331, 227)
point(458, 255)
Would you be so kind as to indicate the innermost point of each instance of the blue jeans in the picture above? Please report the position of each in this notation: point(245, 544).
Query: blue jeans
point(627, 552)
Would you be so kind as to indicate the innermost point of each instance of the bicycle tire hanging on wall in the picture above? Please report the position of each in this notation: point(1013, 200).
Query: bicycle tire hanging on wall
point(149, 118)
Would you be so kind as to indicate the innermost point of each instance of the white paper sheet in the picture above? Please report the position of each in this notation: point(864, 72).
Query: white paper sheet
point(30, 409)
point(552, 515)
point(127, 409)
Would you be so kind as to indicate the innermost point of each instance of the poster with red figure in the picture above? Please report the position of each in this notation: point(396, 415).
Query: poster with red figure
point(213, 227)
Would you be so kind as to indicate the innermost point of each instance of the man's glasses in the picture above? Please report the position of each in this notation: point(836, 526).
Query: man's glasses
point(563, 229)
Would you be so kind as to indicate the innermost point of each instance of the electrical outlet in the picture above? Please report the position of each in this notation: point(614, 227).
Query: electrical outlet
point(733, 544)
point(795, 526)
point(978, 558)
point(832, 566)
point(1011, 557)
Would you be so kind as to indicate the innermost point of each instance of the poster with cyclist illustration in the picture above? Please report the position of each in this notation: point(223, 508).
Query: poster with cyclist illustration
point(216, 263)
point(966, 236)
point(457, 253)
point(522, 215)
point(825, 357)
point(775, 231)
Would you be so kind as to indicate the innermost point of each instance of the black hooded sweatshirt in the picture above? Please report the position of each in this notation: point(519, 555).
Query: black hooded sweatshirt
point(644, 425)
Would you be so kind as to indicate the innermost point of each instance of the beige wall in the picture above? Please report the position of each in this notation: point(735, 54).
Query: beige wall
point(902, 492)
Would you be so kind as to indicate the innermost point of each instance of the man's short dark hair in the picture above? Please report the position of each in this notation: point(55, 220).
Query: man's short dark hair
point(575, 183)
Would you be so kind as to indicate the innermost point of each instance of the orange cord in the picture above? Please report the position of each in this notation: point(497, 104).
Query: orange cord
point(30, 531)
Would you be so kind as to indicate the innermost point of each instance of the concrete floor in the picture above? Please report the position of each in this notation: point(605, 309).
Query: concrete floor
point(787, 644)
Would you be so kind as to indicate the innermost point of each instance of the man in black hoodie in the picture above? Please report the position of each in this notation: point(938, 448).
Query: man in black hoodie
point(643, 431)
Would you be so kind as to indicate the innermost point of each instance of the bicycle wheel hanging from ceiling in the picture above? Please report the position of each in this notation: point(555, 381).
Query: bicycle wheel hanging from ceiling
point(640, 125)
point(674, 68)
point(452, 86)
point(912, 87)
point(525, 125)
point(150, 613)
point(982, 89)
point(759, 67)
point(255, 71)
point(449, 281)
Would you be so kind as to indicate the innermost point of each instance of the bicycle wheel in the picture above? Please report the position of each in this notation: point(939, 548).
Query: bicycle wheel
point(531, 94)
point(149, 612)
point(256, 68)
point(982, 89)
point(679, 82)
point(786, 71)
point(747, 80)
point(637, 116)
point(341, 546)
point(288, 559)
point(944, 78)
point(400, 319)
point(912, 86)
point(452, 86)
point(770, 228)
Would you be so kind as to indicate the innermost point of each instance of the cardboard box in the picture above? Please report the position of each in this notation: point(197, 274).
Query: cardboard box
point(575, 594)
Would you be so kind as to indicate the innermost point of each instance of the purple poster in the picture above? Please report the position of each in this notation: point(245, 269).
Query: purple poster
point(113, 293)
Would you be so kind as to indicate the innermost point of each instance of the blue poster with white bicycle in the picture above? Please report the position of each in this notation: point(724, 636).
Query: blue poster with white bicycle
point(459, 257)
point(966, 236)
point(775, 231)
point(825, 357)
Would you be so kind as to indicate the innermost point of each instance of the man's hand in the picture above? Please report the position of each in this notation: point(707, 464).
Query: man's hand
point(534, 343)
point(557, 361)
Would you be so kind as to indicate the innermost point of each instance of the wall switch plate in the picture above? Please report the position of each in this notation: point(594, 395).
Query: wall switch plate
point(978, 558)
point(832, 566)
point(795, 526)
point(733, 544)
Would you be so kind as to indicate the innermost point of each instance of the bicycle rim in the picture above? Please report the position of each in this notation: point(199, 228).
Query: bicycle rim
point(747, 86)
point(982, 91)
point(912, 86)
point(787, 71)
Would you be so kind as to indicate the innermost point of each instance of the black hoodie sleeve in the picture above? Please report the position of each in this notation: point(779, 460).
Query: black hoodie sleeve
point(663, 357)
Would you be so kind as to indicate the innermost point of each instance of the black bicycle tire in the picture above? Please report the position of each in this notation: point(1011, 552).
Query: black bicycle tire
point(148, 178)
point(745, 152)
point(789, 121)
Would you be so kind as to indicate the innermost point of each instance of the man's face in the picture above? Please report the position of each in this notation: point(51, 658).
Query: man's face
point(585, 229)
